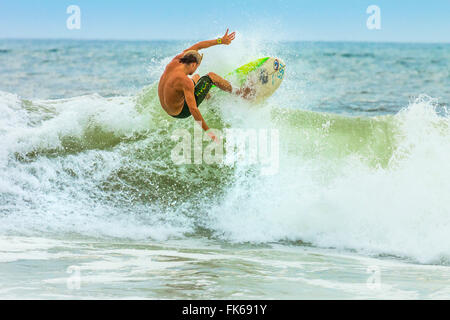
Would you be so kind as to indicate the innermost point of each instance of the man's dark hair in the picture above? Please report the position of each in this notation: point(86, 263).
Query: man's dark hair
point(188, 59)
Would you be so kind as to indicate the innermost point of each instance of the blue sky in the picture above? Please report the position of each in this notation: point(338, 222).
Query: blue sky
point(327, 20)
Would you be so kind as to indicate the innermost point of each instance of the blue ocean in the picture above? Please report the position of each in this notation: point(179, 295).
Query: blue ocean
point(92, 206)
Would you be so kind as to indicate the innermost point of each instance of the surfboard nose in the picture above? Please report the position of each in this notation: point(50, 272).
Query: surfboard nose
point(278, 67)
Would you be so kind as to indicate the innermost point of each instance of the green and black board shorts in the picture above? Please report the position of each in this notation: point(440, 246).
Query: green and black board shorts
point(202, 88)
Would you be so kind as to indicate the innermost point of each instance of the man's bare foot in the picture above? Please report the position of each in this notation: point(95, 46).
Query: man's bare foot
point(246, 93)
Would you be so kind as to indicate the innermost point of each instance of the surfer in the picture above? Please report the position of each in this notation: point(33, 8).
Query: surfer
point(180, 95)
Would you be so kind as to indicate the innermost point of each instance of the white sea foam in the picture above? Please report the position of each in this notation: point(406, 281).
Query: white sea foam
point(65, 167)
point(400, 209)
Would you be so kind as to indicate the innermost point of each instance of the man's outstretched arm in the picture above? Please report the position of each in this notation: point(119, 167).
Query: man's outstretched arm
point(226, 39)
point(188, 90)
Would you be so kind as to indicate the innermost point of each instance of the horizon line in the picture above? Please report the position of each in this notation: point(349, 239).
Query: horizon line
point(180, 40)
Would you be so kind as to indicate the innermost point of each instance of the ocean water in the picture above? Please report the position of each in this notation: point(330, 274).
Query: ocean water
point(92, 205)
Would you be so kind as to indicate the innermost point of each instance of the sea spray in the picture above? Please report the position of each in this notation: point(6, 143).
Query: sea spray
point(85, 151)
point(391, 202)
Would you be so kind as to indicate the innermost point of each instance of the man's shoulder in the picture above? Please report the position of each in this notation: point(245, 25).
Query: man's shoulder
point(178, 76)
point(185, 81)
point(175, 60)
point(179, 79)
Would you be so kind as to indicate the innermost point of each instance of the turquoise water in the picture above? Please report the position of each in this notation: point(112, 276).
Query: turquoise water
point(358, 207)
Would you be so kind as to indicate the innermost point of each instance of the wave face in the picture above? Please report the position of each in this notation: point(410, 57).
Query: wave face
point(364, 171)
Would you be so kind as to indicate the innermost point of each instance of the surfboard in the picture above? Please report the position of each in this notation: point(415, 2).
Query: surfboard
point(264, 76)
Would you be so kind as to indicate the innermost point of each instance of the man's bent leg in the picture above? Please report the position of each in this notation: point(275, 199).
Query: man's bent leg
point(202, 88)
point(220, 82)
point(246, 93)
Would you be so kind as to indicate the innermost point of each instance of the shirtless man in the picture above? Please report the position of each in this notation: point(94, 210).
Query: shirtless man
point(180, 95)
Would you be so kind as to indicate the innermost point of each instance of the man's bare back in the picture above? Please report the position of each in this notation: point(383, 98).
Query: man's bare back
point(170, 89)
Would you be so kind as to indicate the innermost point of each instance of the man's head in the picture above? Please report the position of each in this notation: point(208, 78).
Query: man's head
point(192, 60)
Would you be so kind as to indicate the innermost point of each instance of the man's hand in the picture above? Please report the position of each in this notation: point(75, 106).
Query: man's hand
point(213, 136)
point(227, 38)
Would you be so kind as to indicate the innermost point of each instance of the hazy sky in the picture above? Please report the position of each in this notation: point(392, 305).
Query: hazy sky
point(401, 20)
